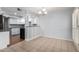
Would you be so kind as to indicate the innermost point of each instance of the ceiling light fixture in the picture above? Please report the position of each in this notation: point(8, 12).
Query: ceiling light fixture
point(15, 13)
point(40, 12)
point(43, 11)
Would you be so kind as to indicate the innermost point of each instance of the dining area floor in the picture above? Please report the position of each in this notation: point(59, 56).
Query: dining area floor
point(42, 44)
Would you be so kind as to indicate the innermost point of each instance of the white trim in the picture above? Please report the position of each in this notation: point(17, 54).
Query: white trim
point(32, 38)
point(47, 37)
point(57, 38)
point(35, 37)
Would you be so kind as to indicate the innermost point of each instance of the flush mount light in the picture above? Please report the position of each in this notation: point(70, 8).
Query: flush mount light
point(45, 12)
point(43, 9)
point(40, 12)
point(15, 13)
point(30, 19)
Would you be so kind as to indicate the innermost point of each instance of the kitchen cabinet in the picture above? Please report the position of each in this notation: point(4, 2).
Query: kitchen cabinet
point(12, 21)
point(75, 27)
point(16, 21)
point(28, 33)
point(76, 35)
point(4, 39)
point(32, 32)
point(15, 31)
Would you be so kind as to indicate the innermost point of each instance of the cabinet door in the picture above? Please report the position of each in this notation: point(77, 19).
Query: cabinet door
point(12, 21)
point(20, 21)
point(15, 31)
point(74, 20)
point(36, 32)
point(4, 39)
point(76, 35)
point(28, 32)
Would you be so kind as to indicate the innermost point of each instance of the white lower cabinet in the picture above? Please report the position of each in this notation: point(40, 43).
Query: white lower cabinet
point(76, 38)
point(4, 39)
point(15, 31)
point(32, 33)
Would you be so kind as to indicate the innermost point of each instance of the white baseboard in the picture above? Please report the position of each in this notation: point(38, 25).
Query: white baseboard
point(35, 37)
point(32, 38)
point(47, 37)
point(57, 38)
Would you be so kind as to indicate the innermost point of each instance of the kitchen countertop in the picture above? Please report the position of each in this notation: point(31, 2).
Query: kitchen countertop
point(32, 26)
point(4, 30)
point(76, 28)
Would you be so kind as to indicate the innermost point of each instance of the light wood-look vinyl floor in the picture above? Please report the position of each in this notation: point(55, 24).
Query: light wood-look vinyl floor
point(42, 44)
point(15, 39)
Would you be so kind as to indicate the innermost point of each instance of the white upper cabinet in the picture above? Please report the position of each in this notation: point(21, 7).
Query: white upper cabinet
point(21, 21)
point(12, 21)
point(75, 18)
point(16, 21)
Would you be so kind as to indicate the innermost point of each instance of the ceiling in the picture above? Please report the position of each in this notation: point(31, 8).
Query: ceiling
point(13, 11)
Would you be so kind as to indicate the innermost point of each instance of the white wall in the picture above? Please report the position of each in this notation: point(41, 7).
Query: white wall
point(57, 23)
